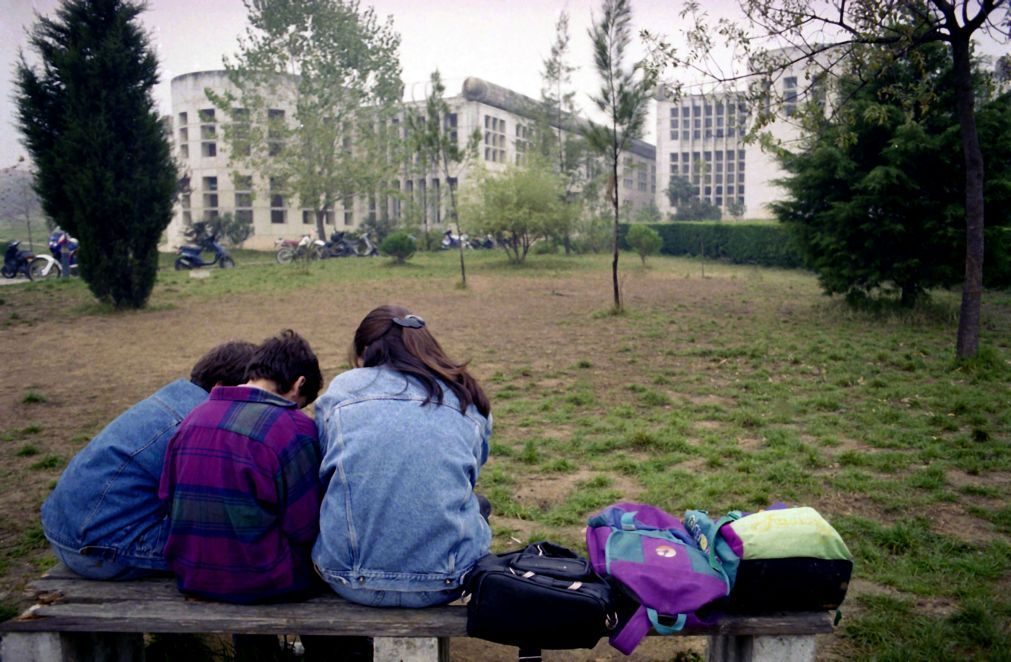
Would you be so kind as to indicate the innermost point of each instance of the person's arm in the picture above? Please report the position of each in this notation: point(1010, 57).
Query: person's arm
point(298, 484)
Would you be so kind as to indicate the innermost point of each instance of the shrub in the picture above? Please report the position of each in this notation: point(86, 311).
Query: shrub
point(399, 245)
point(644, 240)
point(764, 244)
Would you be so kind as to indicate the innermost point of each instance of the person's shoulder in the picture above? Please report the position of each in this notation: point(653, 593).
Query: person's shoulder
point(178, 399)
point(353, 383)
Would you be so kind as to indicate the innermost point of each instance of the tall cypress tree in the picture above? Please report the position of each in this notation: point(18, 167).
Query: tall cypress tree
point(104, 167)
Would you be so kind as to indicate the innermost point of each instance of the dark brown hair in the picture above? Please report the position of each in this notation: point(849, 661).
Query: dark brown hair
point(224, 364)
point(283, 359)
point(414, 351)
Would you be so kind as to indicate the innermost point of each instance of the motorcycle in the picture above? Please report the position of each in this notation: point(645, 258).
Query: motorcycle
point(483, 244)
point(17, 260)
point(191, 257)
point(340, 245)
point(305, 248)
point(44, 266)
point(450, 240)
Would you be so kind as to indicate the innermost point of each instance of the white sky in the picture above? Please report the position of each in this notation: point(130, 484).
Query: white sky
point(501, 41)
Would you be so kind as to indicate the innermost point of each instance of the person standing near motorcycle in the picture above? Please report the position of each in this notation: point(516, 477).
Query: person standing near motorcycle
point(104, 519)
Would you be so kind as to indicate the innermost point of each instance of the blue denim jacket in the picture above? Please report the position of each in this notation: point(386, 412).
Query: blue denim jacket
point(106, 502)
point(399, 513)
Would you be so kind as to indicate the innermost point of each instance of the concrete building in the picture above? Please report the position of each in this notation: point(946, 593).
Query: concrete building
point(701, 137)
point(504, 118)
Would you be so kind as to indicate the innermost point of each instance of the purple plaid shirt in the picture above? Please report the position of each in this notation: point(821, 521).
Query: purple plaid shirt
point(241, 486)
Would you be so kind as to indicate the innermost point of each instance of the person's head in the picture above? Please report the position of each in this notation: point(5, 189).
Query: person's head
point(289, 362)
point(391, 336)
point(224, 365)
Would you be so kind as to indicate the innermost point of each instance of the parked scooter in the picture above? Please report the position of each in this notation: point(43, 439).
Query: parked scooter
point(17, 260)
point(483, 244)
point(191, 257)
point(45, 266)
point(450, 240)
point(340, 245)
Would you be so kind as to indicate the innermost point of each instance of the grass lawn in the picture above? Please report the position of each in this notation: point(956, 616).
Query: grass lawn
point(732, 390)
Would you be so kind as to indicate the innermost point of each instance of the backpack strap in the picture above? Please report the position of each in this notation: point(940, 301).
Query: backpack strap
point(654, 620)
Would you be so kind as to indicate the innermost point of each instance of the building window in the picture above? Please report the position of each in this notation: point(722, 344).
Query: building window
point(275, 131)
point(494, 139)
point(347, 202)
point(240, 143)
point(523, 138)
point(278, 212)
point(450, 122)
point(244, 198)
point(208, 133)
point(210, 197)
point(790, 95)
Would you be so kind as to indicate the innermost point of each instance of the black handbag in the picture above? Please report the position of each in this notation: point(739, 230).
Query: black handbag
point(545, 596)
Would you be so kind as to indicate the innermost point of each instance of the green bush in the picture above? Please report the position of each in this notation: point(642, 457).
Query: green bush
point(765, 244)
point(644, 240)
point(399, 245)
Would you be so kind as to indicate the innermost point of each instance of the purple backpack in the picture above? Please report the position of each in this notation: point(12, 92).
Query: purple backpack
point(649, 553)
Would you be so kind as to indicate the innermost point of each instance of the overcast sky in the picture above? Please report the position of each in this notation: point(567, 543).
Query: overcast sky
point(502, 41)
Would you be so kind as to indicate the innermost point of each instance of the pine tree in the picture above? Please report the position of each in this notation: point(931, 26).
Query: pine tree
point(104, 167)
point(623, 98)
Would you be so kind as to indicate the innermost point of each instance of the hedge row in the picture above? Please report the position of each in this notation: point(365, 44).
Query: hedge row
point(764, 244)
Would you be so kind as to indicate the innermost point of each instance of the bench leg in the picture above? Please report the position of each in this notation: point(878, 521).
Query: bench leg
point(761, 649)
point(70, 647)
point(410, 649)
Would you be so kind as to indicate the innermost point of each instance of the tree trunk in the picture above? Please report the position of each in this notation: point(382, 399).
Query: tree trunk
point(614, 238)
point(456, 218)
point(967, 344)
point(321, 224)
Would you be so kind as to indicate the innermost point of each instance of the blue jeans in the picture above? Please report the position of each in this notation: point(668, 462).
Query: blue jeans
point(98, 567)
point(408, 599)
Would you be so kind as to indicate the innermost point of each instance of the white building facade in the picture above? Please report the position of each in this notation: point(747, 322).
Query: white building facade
point(701, 137)
point(504, 119)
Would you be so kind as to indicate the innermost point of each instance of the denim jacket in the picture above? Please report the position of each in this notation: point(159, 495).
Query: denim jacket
point(106, 502)
point(399, 512)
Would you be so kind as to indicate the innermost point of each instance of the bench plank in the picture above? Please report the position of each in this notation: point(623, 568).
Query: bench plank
point(333, 617)
point(70, 609)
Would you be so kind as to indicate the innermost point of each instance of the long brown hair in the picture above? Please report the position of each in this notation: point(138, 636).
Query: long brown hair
point(392, 336)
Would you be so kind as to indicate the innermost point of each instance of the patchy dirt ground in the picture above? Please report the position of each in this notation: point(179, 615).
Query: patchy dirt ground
point(65, 376)
point(89, 368)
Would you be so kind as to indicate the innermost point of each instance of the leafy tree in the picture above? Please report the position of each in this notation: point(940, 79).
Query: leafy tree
point(680, 190)
point(688, 206)
point(436, 144)
point(698, 210)
point(644, 240)
point(874, 195)
point(104, 169)
point(518, 206)
point(648, 213)
point(232, 230)
point(826, 34)
point(557, 139)
point(338, 68)
point(399, 245)
point(735, 208)
point(623, 98)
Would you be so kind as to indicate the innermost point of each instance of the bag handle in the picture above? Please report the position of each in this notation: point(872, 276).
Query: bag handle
point(654, 620)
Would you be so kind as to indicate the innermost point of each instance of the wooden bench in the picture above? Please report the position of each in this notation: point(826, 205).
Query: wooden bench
point(77, 619)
